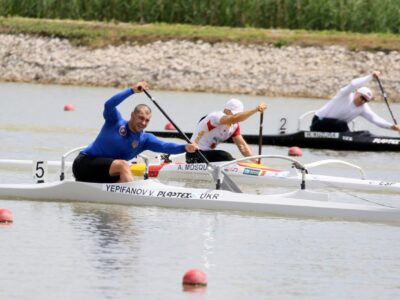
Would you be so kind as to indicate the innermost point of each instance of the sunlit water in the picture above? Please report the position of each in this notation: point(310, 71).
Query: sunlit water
point(93, 251)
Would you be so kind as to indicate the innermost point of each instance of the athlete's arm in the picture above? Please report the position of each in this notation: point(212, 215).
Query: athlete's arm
point(371, 116)
point(242, 116)
point(356, 83)
point(110, 107)
point(154, 144)
point(242, 145)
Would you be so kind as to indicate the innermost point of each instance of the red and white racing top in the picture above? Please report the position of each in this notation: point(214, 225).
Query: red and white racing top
point(209, 132)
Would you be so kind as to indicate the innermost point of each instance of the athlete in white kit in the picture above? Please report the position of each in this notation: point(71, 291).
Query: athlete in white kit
point(349, 103)
point(219, 126)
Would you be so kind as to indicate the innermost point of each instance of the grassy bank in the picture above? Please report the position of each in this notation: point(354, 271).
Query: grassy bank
point(100, 34)
point(342, 15)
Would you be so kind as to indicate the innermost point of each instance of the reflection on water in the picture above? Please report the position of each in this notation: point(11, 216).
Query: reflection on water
point(110, 229)
point(194, 289)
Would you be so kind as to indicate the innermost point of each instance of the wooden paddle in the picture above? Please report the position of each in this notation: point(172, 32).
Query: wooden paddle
point(227, 183)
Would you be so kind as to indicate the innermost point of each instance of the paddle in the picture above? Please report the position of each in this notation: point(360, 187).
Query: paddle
point(227, 183)
point(385, 98)
point(260, 137)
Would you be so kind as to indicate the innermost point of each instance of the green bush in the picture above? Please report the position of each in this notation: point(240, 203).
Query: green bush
point(342, 15)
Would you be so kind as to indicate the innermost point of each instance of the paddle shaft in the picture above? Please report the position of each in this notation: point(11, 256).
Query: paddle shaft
point(260, 138)
point(385, 98)
point(176, 127)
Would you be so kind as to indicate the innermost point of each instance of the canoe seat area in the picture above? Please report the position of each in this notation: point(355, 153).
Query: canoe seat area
point(139, 169)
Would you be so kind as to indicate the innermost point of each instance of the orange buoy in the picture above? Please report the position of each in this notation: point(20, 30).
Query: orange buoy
point(295, 151)
point(6, 216)
point(69, 107)
point(169, 126)
point(194, 277)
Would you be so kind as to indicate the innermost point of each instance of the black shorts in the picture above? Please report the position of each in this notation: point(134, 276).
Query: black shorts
point(211, 155)
point(93, 169)
point(328, 125)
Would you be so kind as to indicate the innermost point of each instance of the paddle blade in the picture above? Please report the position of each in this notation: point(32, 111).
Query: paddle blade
point(227, 183)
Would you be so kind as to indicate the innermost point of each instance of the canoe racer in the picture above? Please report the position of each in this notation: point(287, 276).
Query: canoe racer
point(349, 103)
point(219, 126)
point(105, 160)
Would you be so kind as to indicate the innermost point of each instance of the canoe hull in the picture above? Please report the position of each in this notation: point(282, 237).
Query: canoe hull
point(300, 204)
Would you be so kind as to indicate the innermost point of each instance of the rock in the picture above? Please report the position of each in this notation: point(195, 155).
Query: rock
point(293, 71)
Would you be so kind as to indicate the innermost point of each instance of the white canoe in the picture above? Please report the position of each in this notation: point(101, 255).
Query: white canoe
point(300, 204)
point(254, 175)
point(259, 175)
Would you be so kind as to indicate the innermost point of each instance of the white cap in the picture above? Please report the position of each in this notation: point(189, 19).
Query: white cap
point(234, 105)
point(365, 92)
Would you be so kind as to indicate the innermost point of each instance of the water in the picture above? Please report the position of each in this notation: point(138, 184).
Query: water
point(93, 251)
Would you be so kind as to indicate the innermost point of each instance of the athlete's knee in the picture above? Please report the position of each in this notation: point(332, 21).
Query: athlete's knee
point(120, 165)
point(226, 156)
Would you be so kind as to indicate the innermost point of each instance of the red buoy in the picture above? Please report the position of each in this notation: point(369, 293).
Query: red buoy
point(6, 216)
point(169, 126)
point(69, 107)
point(295, 151)
point(194, 277)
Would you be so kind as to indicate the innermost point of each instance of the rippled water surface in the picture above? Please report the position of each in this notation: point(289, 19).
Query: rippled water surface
point(59, 250)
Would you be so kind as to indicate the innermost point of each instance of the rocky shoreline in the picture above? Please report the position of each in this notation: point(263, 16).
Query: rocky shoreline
point(293, 71)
